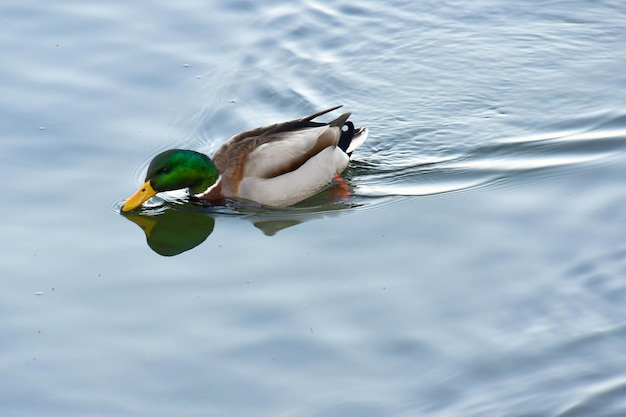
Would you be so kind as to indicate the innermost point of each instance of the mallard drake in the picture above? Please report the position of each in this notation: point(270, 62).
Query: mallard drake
point(277, 165)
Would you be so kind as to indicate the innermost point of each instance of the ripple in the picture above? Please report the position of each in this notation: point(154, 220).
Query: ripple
point(491, 163)
point(607, 396)
point(424, 188)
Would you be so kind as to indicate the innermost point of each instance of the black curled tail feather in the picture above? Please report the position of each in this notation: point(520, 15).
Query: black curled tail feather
point(347, 133)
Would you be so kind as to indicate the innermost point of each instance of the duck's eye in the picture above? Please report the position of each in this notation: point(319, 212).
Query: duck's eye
point(164, 170)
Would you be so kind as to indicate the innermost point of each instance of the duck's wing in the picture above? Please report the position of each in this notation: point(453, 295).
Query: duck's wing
point(250, 139)
point(272, 150)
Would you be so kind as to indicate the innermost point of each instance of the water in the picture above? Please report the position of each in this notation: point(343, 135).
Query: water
point(477, 270)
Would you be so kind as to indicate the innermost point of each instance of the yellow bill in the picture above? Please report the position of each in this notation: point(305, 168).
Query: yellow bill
point(142, 195)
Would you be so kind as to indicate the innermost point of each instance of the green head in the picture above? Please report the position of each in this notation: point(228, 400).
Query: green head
point(178, 168)
point(174, 170)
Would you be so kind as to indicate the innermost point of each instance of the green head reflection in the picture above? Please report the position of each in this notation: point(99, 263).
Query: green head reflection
point(173, 231)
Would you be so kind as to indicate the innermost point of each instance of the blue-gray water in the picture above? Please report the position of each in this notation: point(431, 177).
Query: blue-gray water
point(479, 269)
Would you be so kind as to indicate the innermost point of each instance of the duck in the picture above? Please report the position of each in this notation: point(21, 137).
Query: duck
point(278, 165)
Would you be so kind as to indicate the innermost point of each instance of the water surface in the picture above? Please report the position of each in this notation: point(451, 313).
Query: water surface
point(477, 270)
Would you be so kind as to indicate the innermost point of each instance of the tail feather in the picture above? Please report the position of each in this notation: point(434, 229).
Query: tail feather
point(357, 139)
point(351, 137)
point(319, 113)
point(347, 135)
point(341, 120)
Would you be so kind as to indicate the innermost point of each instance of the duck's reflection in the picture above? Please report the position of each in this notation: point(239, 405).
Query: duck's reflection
point(172, 229)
